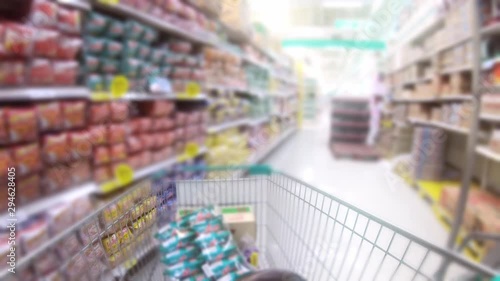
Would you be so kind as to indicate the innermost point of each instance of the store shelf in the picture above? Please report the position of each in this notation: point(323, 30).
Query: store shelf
point(491, 29)
point(52, 200)
point(228, 125)
point(490, 118)
point(452, 44)
point(441, 125)
point(44, 93)
point(256, 63)
point(488, 153)
point(158, 23)
point(351, 112)
point(350, 124)
point(487, 90)
point(456, 69)
point(79, 4)
point(460, 97)
point(349, 136)
point(259, 121)
point(414, 100)
point(261, 156)
point(424, 80)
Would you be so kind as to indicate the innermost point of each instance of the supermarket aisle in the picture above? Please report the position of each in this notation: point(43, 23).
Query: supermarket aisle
point(363, 184)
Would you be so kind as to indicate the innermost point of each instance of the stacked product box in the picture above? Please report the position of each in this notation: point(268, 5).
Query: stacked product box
point(428, 152)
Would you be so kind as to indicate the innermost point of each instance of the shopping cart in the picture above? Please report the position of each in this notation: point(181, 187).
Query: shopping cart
point(299, 228)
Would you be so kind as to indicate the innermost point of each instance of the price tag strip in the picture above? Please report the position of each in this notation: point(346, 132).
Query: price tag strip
point(124, 175)
point(118, 89)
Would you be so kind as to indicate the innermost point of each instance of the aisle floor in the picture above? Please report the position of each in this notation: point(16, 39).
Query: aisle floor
point(366, 185)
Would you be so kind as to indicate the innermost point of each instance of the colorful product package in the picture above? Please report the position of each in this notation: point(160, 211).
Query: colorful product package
point(185, 269)
point(113, 49)
point(219, 252)
point(91, 63)
point(212, 239)
point(44, 13)
point(80, 145)
point(115, 29)
point(119, 111)
point(94, 45)
point(45, 43)
point(22, 124)
point(118, 152)
point(102, 155)
point(68, 20)
point(49, 116)
point(130, 49)
point(210, 225)
point(180, 255)
point(69, 246)
point(12, 73)
point(80, 172)
point(117, 133)
point(109, 66)
point(102, 174)
point(100, 113)
point(134, 30)
point(55, 148)
point(95, 82)
point(68, 47)
point(59, 218)
point(41, 72)
point(96, 23)
point(149, 35)
point(4, 132)
point(55, 179)
point(98, 135)
point(27, 158)
point(28, 189)
point(225, 266)
point(178, 240)
point(65, 72)
point(134, 145)
point(74, 114)
point(17, 39)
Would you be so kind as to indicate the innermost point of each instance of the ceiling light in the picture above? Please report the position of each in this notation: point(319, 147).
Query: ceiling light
point(342, 4)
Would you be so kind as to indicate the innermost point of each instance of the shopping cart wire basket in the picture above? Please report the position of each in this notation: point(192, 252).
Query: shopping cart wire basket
point(299, 228)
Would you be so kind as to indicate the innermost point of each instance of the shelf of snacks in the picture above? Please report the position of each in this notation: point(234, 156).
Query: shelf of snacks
point(227, 125)
point(487, 152)
point(262, 154)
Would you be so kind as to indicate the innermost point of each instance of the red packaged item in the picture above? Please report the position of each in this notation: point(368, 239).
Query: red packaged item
point(73, 114)
point(4, 133)
point(118, 152)
point(101, 155)
point(148, 141)
point(99, 113)
point(80, 171)
point(59, 218)
point(45, 43)
point(180, 46)
point(41, 72)
point(49, 116)
point(134, 144)
point(135, 126)
point(5, 162)
point(80, 145)
point(98, 135)
point(102, 174)
point(36, 234)
point(22, 124)
point(55, 148)
point(135, 161)
point(173, 6)
point(44, 13)
point(119, 111)
point(12, 73)
point(68, 20)
point(117, 133)
point(65, 72)
point(68, 48)
point(156, 108)
point(28, 189)
point(146, 125)
point(56, 179)
point(16, 40)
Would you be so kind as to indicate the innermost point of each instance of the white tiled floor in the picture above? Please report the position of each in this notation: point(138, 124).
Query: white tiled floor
point(366, 185)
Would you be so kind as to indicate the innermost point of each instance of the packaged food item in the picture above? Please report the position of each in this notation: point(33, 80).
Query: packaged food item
point(68, 47)
point(173, 6)
point(96, 23)
point(236, 275)
point(102, 174)
point(73, 114)
point(179, 239)
point(181, 72)
point(98, 134)
point(113, 49)
point(55, 179)
point(69, 246)
point(4, 132)
point(118, 152)
point(28, 189)
point(156, 56)
point(59, 218)
point(90, 231)
point(12, 73)
point(95, 82)
point(212, 239)
point(102, 155)
point(149, 34)
point(6, 161)
point(219, 252)
point(80, 173)
point(180, 255)
point(156, 108)
point(45, 43)
point(117, 133)
point(41, 72)
point(115, 29)
point(47, 262)
point(130, 67)
point(17, 39)
point(109, 66)
point(80, 144)
point(76, 267)
point(100, 113)
point(22, 124)
point(144, 52)
point(44, 13)
point(119, 111)
point(55, 148)
point(134, 29)
point(179, 46)
point(197, 277)
point(65, 72)
point(185, 269)
point(27, 158)
point(68, 20)
point(49, 116)
point(225, 266)
point(130, 49)
point(134, 144)
point(35, 234)
point(210, 225)
point(94, 45)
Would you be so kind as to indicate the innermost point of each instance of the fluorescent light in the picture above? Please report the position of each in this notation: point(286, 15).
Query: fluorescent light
point(342, 4)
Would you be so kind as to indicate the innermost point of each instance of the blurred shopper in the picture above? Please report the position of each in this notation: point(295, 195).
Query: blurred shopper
point(376, 105)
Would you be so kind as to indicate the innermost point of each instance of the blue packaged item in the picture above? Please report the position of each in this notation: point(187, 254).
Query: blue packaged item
point(208, 240)
point(185, 269)
point(210, 225)
point(180, 255)
point(178, 240)
point(219, 252)
point(226, 266)
point(196, 277)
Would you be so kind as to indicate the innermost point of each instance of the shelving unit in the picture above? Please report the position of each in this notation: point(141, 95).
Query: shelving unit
point(456, 85)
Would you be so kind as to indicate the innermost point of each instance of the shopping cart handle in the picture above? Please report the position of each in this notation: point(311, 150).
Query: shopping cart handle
point(250, 169)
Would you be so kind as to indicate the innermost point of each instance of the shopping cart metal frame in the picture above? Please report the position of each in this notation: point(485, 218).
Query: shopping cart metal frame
point(299, 227)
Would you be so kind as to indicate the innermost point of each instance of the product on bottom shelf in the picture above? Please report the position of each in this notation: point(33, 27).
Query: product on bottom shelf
point(428, 153)
point(198, 247)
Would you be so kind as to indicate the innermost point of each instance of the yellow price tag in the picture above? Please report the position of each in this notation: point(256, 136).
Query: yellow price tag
point(192, 149)
point(193, 89)
point(124, 174)
point(109, 2)
point(254, 259)
point(119, 86)
point(109, 186)
point(130, 263)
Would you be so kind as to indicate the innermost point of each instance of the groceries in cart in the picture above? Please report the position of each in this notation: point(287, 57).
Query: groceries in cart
point(198, 246)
